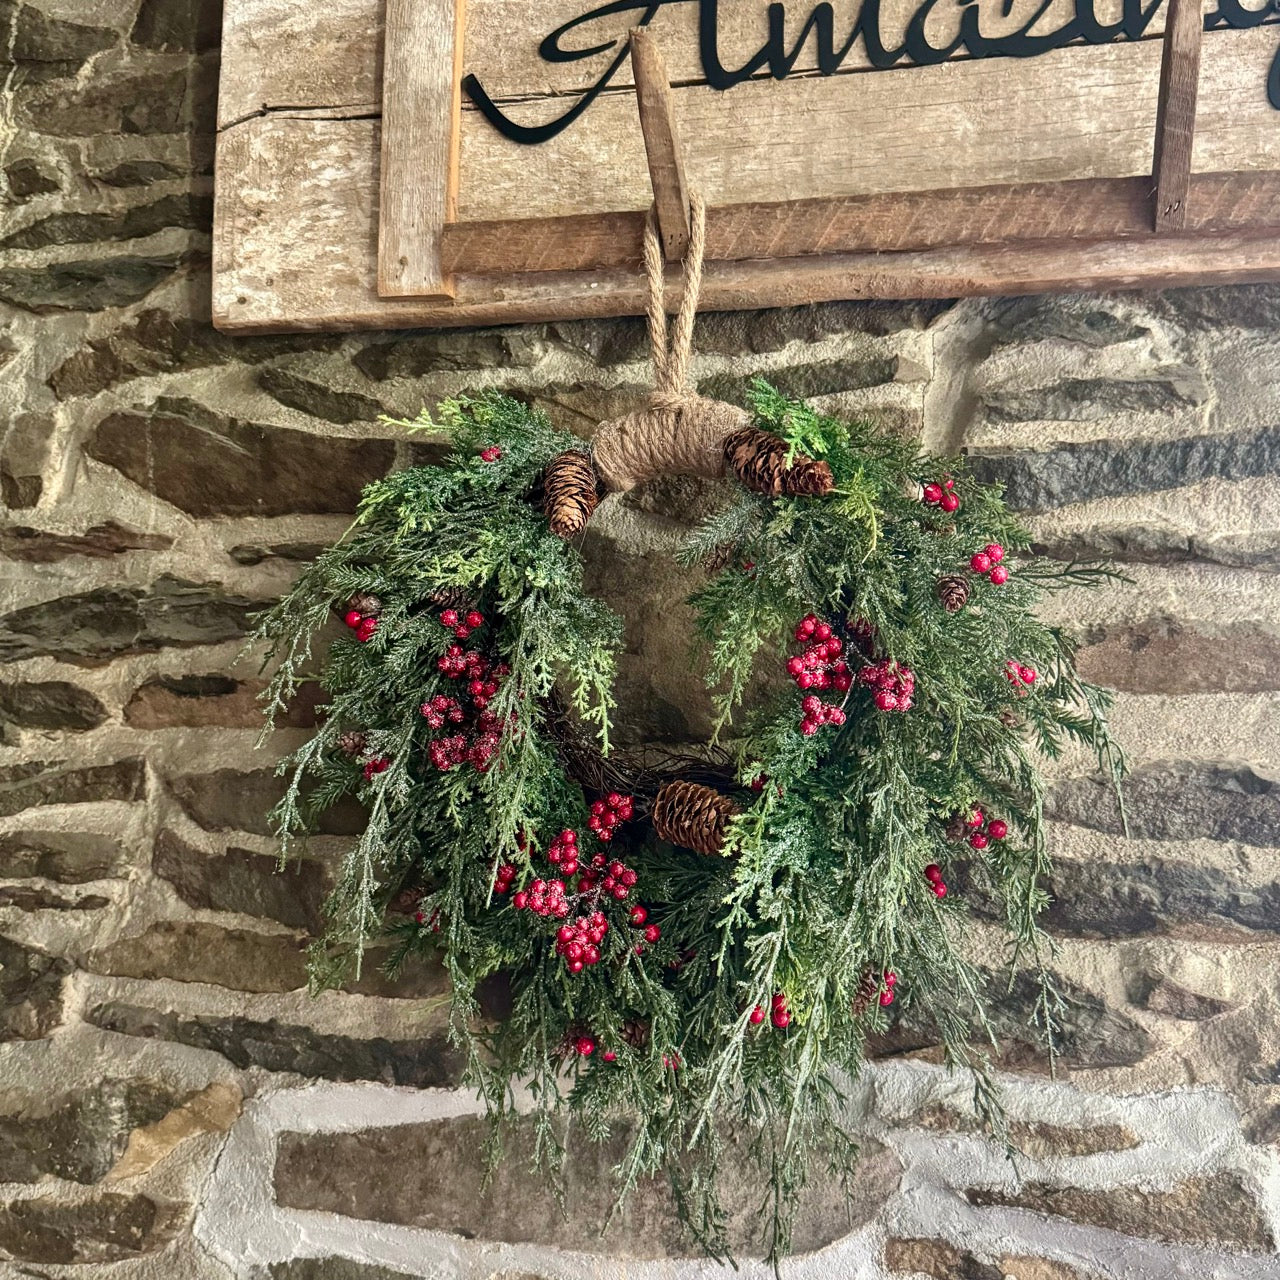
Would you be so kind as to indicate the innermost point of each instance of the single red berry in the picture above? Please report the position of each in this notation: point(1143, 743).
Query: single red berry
point(939, 890)
point(794, 666)
point(886, 701)
point(779, 999)
point(652, 933)
point(995, 551)
point(609, 1056)
point(975, 819)
point(822, 632)
point(997, 828)
point(462, 632)
point(999, 575)
point(781, 1018)
point(978, 840)
point(366, 629)
point(809, 727)
point(449, 618)
point(353, 619)
point(933, 494)
point(933, 872)
point(1027, 675)
point(886, 999)
point(980, 562)
point(475, 619)
point(521, 900)
point(950, 502)
point(890, 978)
point(637, 915)
point(585, 1046)
point(756, 1016)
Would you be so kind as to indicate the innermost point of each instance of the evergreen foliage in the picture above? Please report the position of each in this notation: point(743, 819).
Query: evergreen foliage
point(822, 887)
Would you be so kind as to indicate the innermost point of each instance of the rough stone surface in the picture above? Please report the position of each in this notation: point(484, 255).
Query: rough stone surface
point(1219, 1209)
point(162, 482)
point(362, 1175)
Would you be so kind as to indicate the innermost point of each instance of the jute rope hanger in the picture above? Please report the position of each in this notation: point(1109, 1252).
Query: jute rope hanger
point(678, 432)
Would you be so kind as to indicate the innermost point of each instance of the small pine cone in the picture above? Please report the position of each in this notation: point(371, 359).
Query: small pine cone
point(692, 816)
point(1010, 719)
point(868, 991)
point(353, 742)
point(570, 493)
point(635, 1031)
point(758, 458)
point(953, 591)
point(452, 598)
point(719, 558)
point(366, 604)
point(956, 828)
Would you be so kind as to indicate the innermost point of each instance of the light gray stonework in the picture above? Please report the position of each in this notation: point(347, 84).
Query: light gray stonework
point(174, 1106)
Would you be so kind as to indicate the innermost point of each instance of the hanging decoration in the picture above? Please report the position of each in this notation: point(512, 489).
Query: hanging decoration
point(699, 946)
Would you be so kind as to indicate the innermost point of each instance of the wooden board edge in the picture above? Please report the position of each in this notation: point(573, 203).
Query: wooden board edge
point(1158, 262)
point(916, 221)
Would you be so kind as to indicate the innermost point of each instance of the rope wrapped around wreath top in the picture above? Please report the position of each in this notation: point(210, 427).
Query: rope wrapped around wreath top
point(679, 432)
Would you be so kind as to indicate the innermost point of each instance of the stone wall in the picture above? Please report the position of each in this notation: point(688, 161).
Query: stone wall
point(174, 1105)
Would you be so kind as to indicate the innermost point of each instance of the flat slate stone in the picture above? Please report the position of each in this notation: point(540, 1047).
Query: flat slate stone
point(69, 857)
point(178, 26)
point(333, 1268)
point(415, 354)
point(40, 782)
point(91, 284)
point(36, 37)
point(429, 1176)
point(94, 627)
point(320, 401)
point(98, 542)
point(231, 800)
point(1081, 472)
point(109, 1228)
point(245, 469)
point(31, 985)
point(50, 704)
point(242, 881)
point(429, 1062)
point(1091, 399)
point(28, 178)
point(804, 381)
point(214, 701)
point(189, 212)
point(1155, 544)
point(1216, 1210)
point(1175, 800)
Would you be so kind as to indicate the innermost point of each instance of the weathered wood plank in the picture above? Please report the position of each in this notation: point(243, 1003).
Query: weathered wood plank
point(1086, 209)
point(974, 123)
point(295, 249)
point(662, 149)
point(280, 53)
point(1176, 113)
point(419, 171)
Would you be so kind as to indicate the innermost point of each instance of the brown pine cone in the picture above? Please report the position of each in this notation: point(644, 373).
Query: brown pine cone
point(953, 591)
point(452, 598)
point(758, 458)
point(692, 816)
point(956, 828)
point(719, 558)
point(366, 604)
point(352, 743)
point(635, 1031)
point(868, 992)
point(570, 493)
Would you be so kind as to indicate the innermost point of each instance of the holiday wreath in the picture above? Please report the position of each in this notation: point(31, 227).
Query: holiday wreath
point(698, 945)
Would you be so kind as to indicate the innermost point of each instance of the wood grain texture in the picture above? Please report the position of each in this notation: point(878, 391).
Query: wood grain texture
point(419, 171)
point(295, 249)
point(1086, 209)
point(661, 146)
point(1176, 113)
point(285, 54)
point(1078, 112)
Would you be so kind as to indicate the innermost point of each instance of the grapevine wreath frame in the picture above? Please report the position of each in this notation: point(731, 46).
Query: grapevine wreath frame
point(698, 945)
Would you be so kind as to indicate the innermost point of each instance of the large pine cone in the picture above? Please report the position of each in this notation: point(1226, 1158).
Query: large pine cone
point(570, 493)
point(953, 591)
point(692, 816)
point(759, 459)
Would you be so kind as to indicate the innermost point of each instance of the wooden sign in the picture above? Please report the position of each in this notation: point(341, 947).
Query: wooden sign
point(501, 168)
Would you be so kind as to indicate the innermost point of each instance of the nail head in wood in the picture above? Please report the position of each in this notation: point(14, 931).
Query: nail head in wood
point(1176, 113)
point(661, 144)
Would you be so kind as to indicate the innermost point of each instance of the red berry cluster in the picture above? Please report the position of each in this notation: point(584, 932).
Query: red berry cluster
point(462, 625)
point(578, 941)
point(363, 625)
point(933, 874)
point(820, 666)
point(637, 918)
point(609, 814)
point(442, 708)
point(886, 994)
point(941, 495)
point(779, 1014)
point(612, 878)
point(982, 831)
point(988, 561)
point(379, 764)
point(1022, 678)
point(564, 852)
point(504, 877)
point(817, 713)
point(543, 898)
point(431, 921)
point(490, 454)
point(894, 684)
point(671, 1061)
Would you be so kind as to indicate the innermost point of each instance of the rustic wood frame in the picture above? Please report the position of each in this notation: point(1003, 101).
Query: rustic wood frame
point(1174, 227)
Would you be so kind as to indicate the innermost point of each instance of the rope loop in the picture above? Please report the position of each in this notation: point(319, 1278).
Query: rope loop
point(672, 347)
